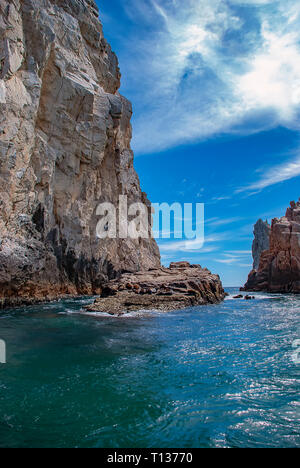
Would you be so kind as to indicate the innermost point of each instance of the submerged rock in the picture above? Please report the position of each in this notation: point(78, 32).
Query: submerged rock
point(64, 147)
point(182, 285)
point(279, 267)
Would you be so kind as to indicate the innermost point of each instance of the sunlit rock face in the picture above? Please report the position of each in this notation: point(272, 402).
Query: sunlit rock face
point(279, 267)
point(178, 287)
point(64, 147)
point(261, 241)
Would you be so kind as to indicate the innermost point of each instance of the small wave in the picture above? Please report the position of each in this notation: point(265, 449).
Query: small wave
point(137, 314)
point(69, 312)
point(256, 296)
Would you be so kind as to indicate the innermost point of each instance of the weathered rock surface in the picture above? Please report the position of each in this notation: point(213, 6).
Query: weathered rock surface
point(64, 147)
point(279, 267)
point(261, 242)
point(180, 286)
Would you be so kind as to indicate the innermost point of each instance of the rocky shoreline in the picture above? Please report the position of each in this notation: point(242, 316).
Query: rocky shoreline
point(179, 286)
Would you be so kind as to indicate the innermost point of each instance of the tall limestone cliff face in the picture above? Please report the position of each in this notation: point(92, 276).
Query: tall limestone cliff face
point(64, 147)
point(279, 267)
point(261, 242)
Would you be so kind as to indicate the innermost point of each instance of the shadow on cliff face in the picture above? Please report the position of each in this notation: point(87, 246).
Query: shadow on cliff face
point(80, 270)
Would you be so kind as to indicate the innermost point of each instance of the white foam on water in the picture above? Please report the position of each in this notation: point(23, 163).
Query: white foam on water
point(256, 296)
point(69, 312)
point(134, 314)
point(139, 313)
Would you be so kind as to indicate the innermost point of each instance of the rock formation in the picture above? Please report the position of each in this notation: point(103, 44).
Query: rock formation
point(279, 267)
point(182, 285)
point(64, 147)
point(261, 242)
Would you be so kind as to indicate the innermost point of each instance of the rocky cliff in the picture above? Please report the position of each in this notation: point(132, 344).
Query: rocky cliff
point(279, 267)
point(261, 242)
point(64, 147)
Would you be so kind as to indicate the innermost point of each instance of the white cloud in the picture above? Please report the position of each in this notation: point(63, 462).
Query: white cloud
point(217, 222)
point(252, 2)
point(193, 245)
point(240, 252)
point(227, 261)
point(273, 80)
point(185, 246)
point(235, 257)
point(202, 68)
point(274, 175)
point(228, 197)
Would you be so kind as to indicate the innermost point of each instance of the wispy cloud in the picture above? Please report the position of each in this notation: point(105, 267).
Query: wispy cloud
point(226, 261)
point(193, 245)
point(185, 246)
point(217, 222)
point(221, 198)
point(240, 252)
point(205, 67)
point(274, 175)
point(235, 257)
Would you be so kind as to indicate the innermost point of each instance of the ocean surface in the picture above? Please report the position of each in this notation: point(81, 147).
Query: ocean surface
point(212, 376)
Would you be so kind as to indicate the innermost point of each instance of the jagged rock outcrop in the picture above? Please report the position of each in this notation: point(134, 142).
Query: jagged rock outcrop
point(64, 147)
point(279, 267)
point(180, 286)
point(261, 242)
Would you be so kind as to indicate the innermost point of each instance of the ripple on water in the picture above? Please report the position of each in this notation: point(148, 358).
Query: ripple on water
point(212, 376)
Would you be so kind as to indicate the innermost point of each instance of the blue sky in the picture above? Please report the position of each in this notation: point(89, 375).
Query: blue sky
point(215, 87)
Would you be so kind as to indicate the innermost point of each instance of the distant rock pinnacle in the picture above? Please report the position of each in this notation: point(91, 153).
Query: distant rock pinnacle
point(279, 266)
point(261, 242)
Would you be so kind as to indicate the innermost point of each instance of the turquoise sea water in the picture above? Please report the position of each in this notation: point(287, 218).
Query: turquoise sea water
point(212, 376)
